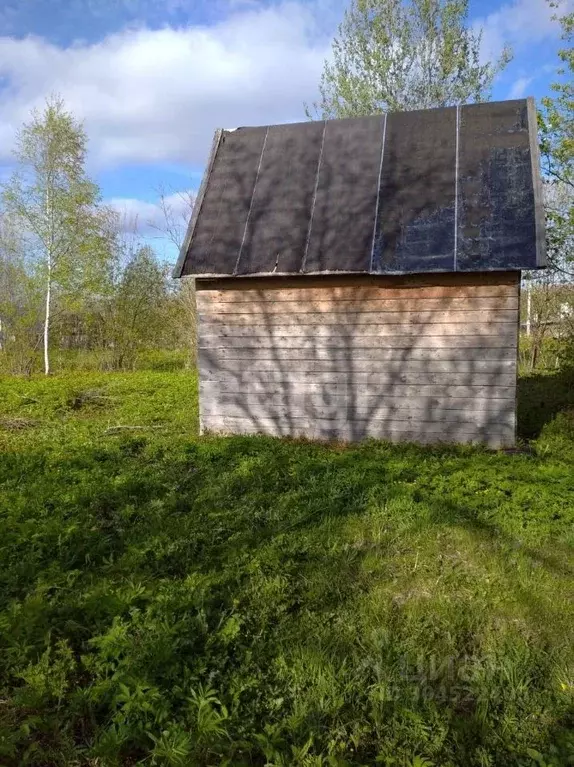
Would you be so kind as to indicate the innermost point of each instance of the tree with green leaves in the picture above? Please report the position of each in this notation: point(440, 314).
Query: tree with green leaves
point(392, 55)
point(556, 124)
point(139, 311)
point(56, 207)
point(20, 302)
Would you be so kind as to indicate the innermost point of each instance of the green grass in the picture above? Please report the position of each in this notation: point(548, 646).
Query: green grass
point(67, 361)
point(170, 600)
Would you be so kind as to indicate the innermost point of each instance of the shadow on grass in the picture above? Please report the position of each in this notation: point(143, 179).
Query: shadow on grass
point(228, 559)
point(540, 398)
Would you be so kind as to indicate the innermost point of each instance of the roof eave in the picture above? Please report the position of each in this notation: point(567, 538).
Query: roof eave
point(180, 263)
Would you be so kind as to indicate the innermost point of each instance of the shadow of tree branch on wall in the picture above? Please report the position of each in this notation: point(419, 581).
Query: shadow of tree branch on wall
point(343, 361)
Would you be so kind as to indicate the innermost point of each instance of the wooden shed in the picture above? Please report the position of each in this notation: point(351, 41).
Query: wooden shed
point(360, 278)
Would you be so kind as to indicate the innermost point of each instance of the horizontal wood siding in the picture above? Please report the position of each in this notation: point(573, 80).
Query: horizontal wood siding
point(426, 359)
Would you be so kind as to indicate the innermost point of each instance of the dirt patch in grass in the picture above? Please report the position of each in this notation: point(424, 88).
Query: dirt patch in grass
point(17, 424)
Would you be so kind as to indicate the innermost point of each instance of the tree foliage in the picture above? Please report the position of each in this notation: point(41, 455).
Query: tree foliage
point(20, 301)
point(139, 310)
point(54, 204)
point(394, 56)
point(70, 273)
point(556, 123)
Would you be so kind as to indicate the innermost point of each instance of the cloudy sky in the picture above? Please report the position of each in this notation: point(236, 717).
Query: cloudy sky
point(152, 79)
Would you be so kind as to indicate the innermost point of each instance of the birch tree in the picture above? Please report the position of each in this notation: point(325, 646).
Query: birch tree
point(55, 203)
point(392, 55)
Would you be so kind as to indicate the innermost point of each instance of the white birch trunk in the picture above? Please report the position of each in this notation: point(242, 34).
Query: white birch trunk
point(47, 320)
point(48, 287)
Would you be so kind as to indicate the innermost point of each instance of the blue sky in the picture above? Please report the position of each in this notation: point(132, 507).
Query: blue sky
point(152, 79)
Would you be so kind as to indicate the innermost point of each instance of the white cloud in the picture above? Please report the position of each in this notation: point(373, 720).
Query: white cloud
point(517, 24)
point(157, 95)
point(141, 221)
point(134, 213)
point(519, 87)
point(148, 218)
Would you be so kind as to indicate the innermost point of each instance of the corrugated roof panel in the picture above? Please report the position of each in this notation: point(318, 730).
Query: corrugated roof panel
point(415, 219)
point(454, 189)
point(220, 225)
point(496, 211)
point(276, 233)
point(341, 232)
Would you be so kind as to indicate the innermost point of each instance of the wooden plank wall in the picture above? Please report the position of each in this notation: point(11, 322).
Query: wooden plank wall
point(422, 358)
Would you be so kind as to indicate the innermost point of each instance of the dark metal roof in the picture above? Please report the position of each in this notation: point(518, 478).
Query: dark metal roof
point(439, 190)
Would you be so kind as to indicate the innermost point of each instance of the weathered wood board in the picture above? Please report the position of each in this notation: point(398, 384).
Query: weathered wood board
point(424, 359)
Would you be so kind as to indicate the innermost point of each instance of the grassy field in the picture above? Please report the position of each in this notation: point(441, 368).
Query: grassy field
point(169, 600)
